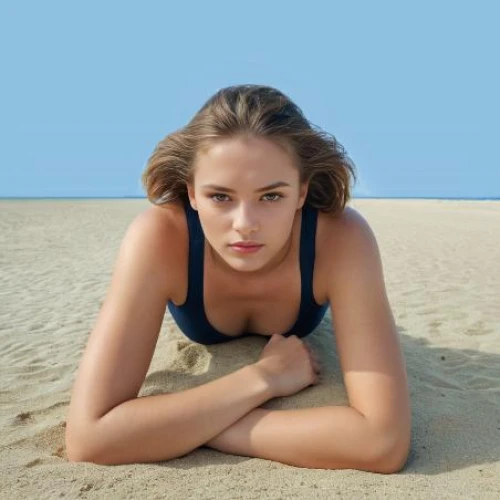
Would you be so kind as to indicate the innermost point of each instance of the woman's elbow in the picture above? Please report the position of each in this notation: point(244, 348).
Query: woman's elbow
point(76, 453)
point(80, 444)
point(390, 452)
point(80, 452)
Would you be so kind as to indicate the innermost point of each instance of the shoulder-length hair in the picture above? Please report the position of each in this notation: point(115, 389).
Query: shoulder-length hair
point(260, 111)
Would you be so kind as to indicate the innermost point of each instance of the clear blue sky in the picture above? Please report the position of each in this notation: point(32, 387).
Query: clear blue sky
point(411, 89)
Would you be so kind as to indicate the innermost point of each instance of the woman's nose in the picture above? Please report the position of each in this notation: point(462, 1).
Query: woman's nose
point(245, 220)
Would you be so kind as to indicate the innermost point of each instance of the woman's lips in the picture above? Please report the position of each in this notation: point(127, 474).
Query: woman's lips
point(246, 249)
point(245, 245)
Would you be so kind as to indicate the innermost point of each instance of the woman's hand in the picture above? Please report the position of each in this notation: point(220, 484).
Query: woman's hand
point(288, 365)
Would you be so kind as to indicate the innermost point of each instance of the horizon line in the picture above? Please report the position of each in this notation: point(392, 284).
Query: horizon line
point(482, 198)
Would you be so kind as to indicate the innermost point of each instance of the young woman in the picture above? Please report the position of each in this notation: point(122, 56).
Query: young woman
point(249, 234)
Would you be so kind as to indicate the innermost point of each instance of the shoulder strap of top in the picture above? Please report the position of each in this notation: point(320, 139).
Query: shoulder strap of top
point(196, 243)
point(307, 254)
point(307, 251)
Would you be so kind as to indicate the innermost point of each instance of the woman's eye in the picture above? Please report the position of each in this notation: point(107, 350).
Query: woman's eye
point(215, 195)
point(277, 197)
point(274, 194)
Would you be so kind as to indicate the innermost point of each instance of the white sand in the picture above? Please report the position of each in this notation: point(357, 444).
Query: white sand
point(442, 269)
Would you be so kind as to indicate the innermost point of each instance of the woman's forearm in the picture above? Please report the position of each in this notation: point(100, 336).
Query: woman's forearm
point(329, 437)
point(165, 426)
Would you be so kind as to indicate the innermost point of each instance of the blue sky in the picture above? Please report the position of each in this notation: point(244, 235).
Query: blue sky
point(411, 89)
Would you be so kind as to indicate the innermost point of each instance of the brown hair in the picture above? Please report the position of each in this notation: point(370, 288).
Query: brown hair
point(260, 111)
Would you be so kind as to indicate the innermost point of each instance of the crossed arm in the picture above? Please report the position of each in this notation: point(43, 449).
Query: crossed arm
point(373, 432)
point(107, 423)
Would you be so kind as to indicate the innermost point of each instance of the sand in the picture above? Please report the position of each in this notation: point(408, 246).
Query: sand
point(442, 270)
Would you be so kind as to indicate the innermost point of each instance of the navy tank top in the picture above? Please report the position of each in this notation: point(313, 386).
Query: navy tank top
point(190, 316)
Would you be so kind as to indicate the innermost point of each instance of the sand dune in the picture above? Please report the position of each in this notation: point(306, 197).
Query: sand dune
point(442, 269)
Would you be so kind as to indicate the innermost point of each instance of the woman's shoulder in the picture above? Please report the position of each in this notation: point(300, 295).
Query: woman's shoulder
point(163, 229)
point(335, 228)
point(170, 214)
point(337, 233)
point(164, 223)
point(329, 225)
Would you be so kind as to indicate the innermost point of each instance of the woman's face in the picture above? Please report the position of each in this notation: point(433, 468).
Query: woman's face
point(232, 206)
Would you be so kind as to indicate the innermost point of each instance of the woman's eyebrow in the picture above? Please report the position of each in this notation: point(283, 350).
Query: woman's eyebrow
point(265, 188)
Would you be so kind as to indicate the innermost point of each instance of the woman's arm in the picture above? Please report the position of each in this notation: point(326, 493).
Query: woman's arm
point(107, 423)
point(373, 432)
